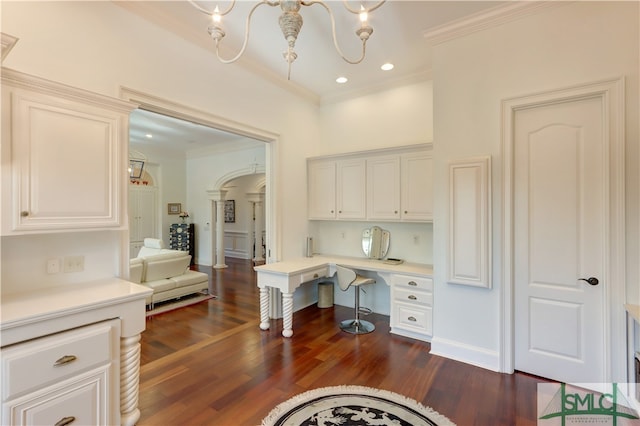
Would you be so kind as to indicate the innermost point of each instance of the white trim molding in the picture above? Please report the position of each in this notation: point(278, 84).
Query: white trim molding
point(469, 247)
point(469, 354)
point(611, 94)
point(498, 15)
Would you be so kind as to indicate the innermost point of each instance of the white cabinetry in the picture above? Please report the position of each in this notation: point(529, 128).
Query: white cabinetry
point(66, 378)
point(383, 188)
point(336, 189)
point(412, 306)
point(61, 142)
point(417, 186)
point(72, 352)
point(142, 216)
point(383, 185)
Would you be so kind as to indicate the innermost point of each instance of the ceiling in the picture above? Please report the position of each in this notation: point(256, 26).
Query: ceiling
point(398, 37)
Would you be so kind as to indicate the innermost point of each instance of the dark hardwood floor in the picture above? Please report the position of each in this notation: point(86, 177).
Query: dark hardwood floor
point(210, 364)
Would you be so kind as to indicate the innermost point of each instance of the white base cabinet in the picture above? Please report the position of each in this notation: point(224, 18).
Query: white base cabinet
point(412, 306)
point(71, 354)
point(66, 378)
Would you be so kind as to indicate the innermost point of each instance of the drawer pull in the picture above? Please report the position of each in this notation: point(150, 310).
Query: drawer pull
point(412, 297)
point(413, 283)
point(412, 319)
point(315, 275)
point(65, 421)
point(65, 360)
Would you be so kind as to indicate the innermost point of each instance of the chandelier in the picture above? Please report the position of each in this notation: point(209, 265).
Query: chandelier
point(290, 23)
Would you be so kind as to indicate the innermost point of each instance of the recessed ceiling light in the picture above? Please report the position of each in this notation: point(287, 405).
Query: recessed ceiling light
point(342, 80)
point(387, 67)
point(149, 135)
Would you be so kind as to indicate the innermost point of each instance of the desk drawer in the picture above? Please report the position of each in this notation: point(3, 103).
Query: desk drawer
point(314, 274)
point(408, 281)
point(37, 363)
point(418, 297)
point(414, 318)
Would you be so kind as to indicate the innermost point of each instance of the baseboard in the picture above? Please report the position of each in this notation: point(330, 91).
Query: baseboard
point(480, 357)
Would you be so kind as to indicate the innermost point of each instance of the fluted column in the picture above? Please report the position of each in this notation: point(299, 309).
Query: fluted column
point(219, 197)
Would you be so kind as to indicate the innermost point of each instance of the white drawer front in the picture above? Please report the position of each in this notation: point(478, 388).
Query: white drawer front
point(424, 298)
point(312, 275)
point(47, 360)
point(75, 402)
point(418, 319)
point(420, 283)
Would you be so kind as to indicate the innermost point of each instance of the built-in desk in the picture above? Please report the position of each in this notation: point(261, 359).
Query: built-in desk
point(407, 316)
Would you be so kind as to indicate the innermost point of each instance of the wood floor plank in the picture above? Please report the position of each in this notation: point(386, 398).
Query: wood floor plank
point(210, 364)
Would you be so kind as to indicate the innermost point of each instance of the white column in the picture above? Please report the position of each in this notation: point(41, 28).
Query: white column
point(219, 197)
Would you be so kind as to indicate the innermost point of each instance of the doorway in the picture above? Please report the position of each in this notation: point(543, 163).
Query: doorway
point(181, 112)
point(564, 218)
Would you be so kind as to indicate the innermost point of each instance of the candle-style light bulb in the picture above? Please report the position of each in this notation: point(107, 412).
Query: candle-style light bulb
point(363, 15)
point(216, 15)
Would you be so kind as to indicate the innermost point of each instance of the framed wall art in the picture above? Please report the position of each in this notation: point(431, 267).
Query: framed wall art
point(174, 208)
point(230, 211)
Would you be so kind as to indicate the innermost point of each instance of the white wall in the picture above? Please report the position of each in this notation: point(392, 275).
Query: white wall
point(99, 46)
point(569, 44)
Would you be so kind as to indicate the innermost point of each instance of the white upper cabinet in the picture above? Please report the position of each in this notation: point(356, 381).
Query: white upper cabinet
point(417, 186)
point(383, 188)
point(350, 189)
point(321, 181)
point(384, 185)
point(64, 157)
point(336, 189)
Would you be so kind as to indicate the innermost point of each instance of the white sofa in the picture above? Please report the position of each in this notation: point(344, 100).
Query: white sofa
point(166, 272)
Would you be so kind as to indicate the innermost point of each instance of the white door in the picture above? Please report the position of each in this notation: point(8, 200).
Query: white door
point(560, 218)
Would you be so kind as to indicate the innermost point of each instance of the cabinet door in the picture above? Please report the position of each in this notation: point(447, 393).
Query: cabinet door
point(383, 188)
point(417, 183)
point(351, 189)
point(321, 184)
point(142, 213)
point(67, 161)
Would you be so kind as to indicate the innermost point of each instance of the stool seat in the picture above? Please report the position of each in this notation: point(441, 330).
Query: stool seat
point(347, 278)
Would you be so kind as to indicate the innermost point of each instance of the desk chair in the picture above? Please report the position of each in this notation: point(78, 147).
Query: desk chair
point(346, 278)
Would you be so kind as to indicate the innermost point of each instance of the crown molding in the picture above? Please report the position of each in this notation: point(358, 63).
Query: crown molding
point(486, 19)
point(8, 41)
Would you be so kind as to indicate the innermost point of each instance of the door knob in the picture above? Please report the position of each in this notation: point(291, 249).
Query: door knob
point(590, 280)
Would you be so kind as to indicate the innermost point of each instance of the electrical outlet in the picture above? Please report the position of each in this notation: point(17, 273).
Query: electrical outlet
point(53, 266)
point(74, 264)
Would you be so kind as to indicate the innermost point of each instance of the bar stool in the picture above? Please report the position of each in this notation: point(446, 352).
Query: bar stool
point(346, 278)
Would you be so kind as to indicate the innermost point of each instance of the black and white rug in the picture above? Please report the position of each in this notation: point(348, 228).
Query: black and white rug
point(353, 406)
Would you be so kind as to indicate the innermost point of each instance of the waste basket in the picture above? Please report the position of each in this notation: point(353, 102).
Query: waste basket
point(325, 294)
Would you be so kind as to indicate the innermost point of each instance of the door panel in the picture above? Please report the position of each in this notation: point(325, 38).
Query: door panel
point(559, 222)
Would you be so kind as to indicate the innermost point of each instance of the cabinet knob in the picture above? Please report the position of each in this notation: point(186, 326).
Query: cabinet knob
point(24, 213)
point(405, 212)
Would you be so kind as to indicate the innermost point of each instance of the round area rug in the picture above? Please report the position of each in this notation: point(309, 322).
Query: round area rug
point(353, 406)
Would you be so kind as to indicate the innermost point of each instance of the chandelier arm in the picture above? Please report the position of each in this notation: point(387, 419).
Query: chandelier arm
point(246, 33)
point(203, 10)
point(333, 33)
point(357, 11)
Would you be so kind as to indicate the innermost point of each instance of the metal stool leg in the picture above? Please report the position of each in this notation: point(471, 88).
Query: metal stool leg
point(357, 326)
